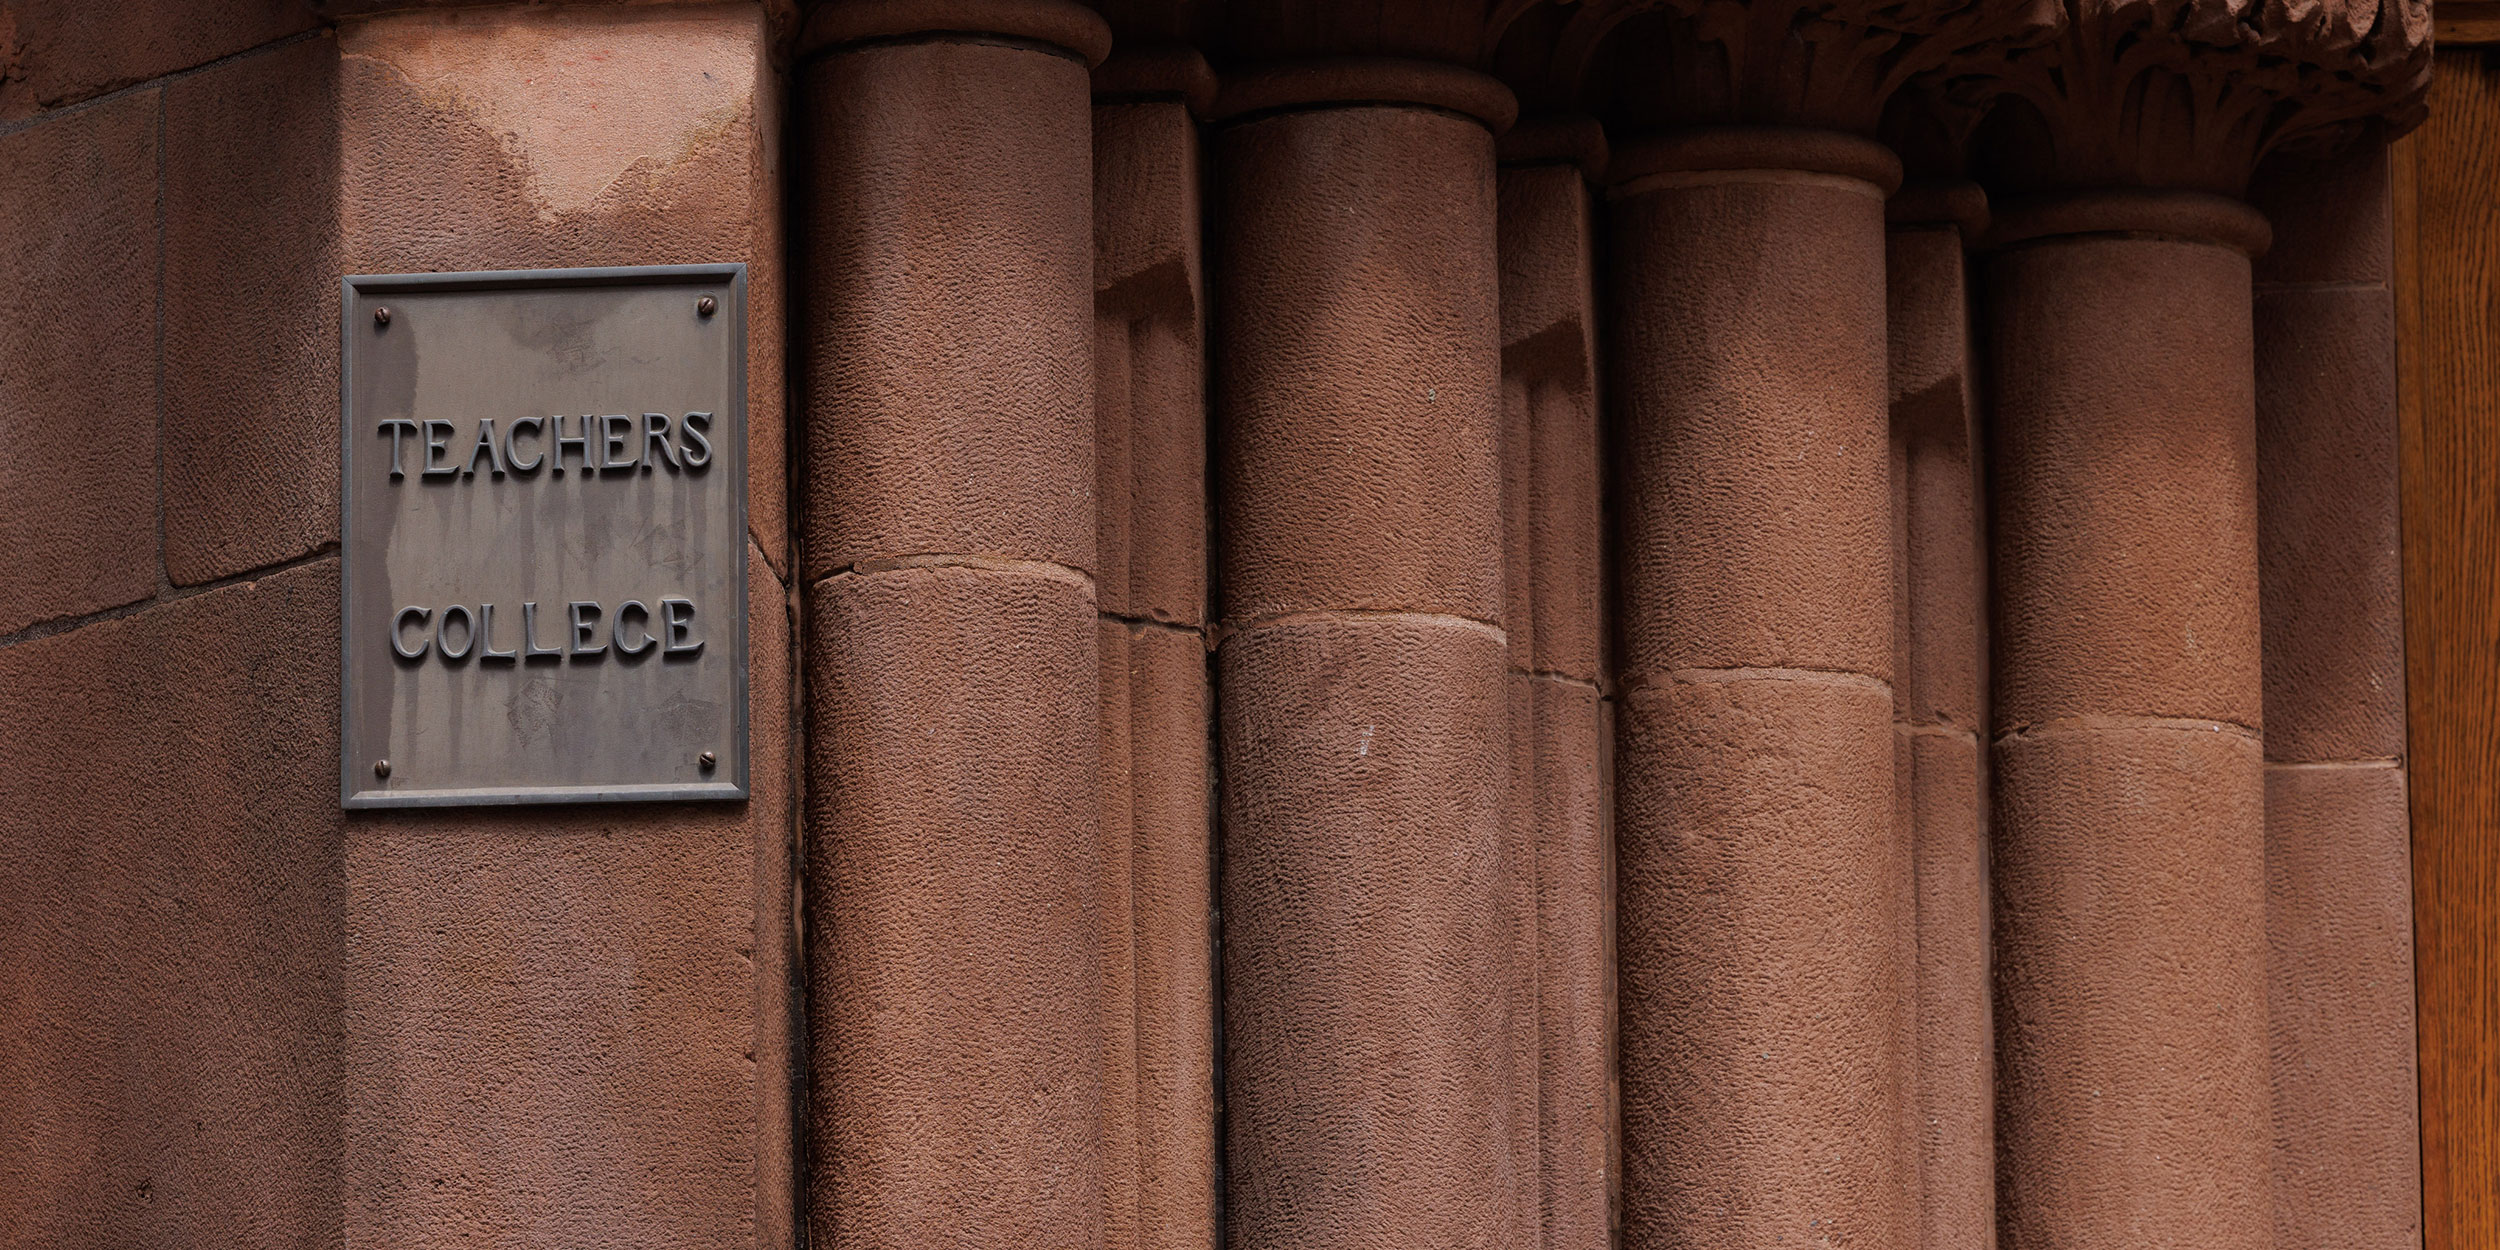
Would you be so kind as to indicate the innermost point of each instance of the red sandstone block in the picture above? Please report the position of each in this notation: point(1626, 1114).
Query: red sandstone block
point(950, 349)
point(534, 138)
point(251, 324)
point(1764, 898)
point(1150, 441)
point(2330, 573)
point(2129, 883)
point(954, 932)
point(1521, 934)
point(1359, 372)
point(1759, 536)
point(1164, 692)
point(2331, 217)
point(1956, 1068)
point(2339, 913)
point(1941, 609)
point(1365, 934)
point(1574, 964)
point(69, 50)
point(2123, 482)
point(78, 362)
point(170, 901)
point(573, 1018)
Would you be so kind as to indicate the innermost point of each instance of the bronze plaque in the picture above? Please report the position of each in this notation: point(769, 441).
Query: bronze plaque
point(544, 500)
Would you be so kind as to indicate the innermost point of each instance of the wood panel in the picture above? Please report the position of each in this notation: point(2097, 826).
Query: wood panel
point(2447, 203)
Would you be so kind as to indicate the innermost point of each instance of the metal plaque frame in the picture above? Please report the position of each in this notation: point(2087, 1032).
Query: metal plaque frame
point(359, 786)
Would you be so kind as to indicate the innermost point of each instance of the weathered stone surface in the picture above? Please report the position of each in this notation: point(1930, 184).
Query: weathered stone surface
point(251, 299)
point(542, 137)
point(78, 362)
point(171, 898)
point(57, 52)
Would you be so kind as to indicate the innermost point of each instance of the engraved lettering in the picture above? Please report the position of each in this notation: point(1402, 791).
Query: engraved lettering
point(655, 442)
point(677, 627)
point(584, 616)
point(512, 444)
point(399, 632)
point(442, 634)
point(616, 436)
point(616, 628)
point(486, 637)
point(578, 442)
point(692, 430)
point(529, 635)
point(395, 429)
point(438, 440)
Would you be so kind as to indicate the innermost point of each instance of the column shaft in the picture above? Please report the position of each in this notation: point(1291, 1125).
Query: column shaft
point(1362, 717)
point(953, 810)
point(1150, 467)
point(2129, 872)
point(1937, 702)
point(2339, 901)
point(1764, 890)
point(1554, 576)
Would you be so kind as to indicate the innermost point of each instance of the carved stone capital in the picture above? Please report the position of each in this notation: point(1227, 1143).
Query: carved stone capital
point(2190, 93)
point(1823, 63)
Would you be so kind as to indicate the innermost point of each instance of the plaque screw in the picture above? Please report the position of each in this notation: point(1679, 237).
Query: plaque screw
point(707, 760)
point(707, 305)
point(381, 768)
point(381, 316)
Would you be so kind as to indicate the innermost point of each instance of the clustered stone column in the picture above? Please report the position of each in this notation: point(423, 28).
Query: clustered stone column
point(2130, 874)
point(1554, 577)
point(953, 811)
point(1940, 622)
point(1150, 425)
point(1361, 671)
point(1763, 887)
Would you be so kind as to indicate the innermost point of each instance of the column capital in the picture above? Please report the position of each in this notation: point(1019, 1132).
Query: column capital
point(2189, 94)
point(1358, 80)
point(2137, 212)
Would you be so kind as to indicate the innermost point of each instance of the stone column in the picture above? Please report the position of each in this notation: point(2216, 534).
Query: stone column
point(2339, 891)
point(1362, 718)
point(1763, 893)
point(953, 810)
point(2130, 871)
point(1940, 615)
point(1554, 574)
point(1150, 428)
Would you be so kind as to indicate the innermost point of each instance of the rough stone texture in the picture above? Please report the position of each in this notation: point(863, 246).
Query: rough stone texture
point(2123, 478)
point(559, 1022)
point(251, 469)
point(1940, 619)
point(2339, 904)
point(1765, 938)
point(949, 344)
point(56, 52)
point(2130, 1015)
point(1762, 988)
point(1150, 419)
point(1155, 826)
point(1575, 949)
point(955, 1017)
point(170, 895)
point(1365, 935)
point(2347, 1154)
point(531, 138)
point(1358, 461)
point(78, 365)
point(1956, 1064)
point(1554, 575)
point(1753, 498)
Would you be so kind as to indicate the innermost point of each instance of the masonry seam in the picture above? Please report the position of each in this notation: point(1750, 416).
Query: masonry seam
point(1642, 683)
point(2062, 726)
point(1442, 620)
point(174, 594)
point(151, 84)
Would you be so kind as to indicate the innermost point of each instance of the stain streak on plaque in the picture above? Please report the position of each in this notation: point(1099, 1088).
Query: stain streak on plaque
point(545, 502)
